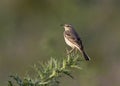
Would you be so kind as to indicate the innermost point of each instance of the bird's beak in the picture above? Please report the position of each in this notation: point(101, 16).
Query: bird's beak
point(62, 25)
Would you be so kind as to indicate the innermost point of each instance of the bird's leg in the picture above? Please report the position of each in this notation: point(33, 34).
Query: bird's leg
point(70, 51)
point(76, 50)
point(67, 50)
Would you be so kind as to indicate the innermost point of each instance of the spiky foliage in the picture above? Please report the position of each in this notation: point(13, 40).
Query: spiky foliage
point(47, 74)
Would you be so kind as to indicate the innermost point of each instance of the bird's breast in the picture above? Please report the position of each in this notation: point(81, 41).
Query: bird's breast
point(68, 42)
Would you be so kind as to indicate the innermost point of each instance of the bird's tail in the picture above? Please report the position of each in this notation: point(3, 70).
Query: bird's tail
point(87, 58)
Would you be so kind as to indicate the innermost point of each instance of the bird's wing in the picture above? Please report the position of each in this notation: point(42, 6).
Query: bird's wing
point(73, 37)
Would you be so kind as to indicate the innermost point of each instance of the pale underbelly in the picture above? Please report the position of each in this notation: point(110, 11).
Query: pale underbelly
point(71, 44)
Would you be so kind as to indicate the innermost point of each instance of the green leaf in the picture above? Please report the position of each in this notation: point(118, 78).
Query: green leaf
point(10, 83)
point(47, 74)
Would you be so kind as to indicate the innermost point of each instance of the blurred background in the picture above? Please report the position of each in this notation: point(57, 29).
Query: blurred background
point(30, 32)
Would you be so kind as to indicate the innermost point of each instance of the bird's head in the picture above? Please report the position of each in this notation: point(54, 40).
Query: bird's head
point(67, 26)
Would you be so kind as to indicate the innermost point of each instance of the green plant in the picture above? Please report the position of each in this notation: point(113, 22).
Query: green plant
point(47, 74)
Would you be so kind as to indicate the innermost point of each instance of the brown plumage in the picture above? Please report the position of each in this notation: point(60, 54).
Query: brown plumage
point(73, 40)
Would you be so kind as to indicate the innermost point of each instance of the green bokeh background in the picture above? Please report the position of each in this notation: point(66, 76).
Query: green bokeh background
point(30, 32)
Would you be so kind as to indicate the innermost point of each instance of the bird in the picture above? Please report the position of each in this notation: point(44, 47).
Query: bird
point(73, 40)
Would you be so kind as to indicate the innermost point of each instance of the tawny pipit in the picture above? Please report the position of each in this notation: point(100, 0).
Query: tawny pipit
point(73, 40)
